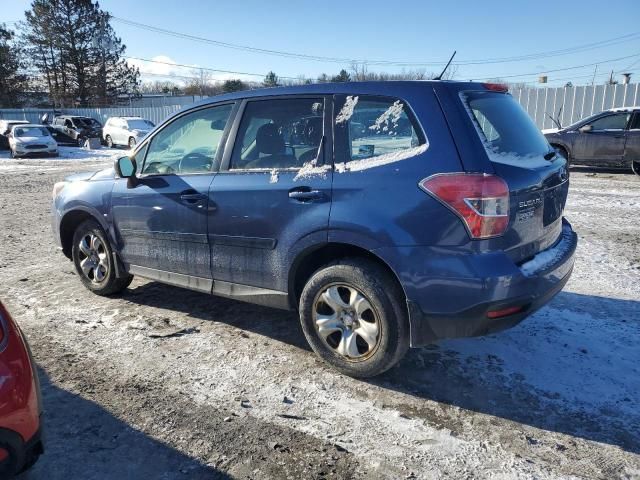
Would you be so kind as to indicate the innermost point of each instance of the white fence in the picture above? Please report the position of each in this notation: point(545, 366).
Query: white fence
point(540, 103)
point(155, 114)
point(576, 102)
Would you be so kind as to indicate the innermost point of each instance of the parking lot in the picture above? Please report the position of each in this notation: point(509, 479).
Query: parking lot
point(168, 383)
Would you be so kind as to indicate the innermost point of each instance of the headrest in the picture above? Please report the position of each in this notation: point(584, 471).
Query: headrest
point(269, 140)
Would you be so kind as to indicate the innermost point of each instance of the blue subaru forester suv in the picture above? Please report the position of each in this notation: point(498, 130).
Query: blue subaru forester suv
point(388, 214)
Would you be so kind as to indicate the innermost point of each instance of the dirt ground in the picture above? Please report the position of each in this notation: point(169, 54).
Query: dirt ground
point(165, 383)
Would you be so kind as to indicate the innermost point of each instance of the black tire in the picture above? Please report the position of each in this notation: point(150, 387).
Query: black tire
point(635, 167)
point(563, 153)
point(105, 281)
point(132, 143)
point(388, 310)
point(81, 141)
point(109, 141)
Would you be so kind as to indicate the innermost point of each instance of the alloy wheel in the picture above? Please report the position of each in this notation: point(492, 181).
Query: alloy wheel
point(93, 258)
point(347, 322)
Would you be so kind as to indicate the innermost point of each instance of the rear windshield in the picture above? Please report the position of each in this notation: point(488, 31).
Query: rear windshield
point(505, 128)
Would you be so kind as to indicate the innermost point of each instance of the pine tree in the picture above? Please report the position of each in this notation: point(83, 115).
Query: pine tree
point(12, 83)
point(80, 59)
point(233, 86)
point(270, 80)
point(343, 76)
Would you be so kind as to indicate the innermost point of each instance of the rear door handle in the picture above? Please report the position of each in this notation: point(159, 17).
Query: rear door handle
point(306, 195)
point(191, 197)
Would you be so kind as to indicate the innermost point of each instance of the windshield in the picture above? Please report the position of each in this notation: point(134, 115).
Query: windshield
point(139, 124)
point(85, 122)
point(30, 132)
point(507, 130)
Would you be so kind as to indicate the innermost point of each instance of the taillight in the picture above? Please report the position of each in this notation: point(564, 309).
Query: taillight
point(496, 87)
point(480, 200)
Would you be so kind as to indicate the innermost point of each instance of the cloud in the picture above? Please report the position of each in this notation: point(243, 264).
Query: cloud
point(161, 65)
point(164, 67)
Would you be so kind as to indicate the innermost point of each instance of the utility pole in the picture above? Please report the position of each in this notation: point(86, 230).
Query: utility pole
point(595, 70)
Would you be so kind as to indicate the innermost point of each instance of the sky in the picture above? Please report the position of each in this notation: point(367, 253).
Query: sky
point(401, 31)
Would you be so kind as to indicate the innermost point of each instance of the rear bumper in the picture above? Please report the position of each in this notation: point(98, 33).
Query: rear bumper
point(456, 302)
point(21, 454)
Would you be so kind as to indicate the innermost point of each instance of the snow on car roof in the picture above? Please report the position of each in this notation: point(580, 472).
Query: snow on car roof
point(27, 125)
point(624, 109)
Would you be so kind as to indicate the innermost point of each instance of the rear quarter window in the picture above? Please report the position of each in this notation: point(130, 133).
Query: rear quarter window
point(373, 131)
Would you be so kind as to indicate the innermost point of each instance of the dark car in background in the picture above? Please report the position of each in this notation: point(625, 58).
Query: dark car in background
point(608, 139)
point(387, 214)
point(77, 127)
point(20, 401)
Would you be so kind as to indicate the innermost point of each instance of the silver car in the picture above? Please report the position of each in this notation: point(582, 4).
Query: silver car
point(126, 131)
point(30, 139)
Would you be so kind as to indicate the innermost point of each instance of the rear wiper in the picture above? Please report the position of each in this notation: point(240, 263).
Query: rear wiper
point(550, 155)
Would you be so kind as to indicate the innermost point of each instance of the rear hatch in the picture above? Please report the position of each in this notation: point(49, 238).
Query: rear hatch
point(515, 150)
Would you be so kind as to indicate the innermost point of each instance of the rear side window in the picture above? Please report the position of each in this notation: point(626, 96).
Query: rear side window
point(283, 133)
point(506, 130)
point(377, 128)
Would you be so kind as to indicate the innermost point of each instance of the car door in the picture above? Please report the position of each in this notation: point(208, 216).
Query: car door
point(121, 132)
point(272, 194)
point(632, 146)
point(603, 145)
point(160, 218)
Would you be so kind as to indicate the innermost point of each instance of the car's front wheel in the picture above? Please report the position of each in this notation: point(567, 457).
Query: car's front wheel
point(109, 141)
point(94, 262)
point(354, 317)
point(635, 166)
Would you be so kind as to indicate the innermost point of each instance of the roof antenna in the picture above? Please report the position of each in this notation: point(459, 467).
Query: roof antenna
point(439, 77)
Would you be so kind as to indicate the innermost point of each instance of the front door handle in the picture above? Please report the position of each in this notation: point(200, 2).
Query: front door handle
point(191, 196)
point(305, 194)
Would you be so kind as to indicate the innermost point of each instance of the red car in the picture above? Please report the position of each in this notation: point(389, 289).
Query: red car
point(20, 401)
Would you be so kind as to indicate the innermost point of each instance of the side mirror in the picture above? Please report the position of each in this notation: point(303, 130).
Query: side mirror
point(586, 128)
point(125, 167)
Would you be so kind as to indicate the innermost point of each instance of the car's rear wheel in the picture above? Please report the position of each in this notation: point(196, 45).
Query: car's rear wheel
point(94, 262)
point(132, 143)
point(354, 318)
point(635, 166)
point(109, 141)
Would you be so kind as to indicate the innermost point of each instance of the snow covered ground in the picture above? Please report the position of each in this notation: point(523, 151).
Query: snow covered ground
point(169, 383)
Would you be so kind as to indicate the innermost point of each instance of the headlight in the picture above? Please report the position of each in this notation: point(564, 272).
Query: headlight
point(57, 188)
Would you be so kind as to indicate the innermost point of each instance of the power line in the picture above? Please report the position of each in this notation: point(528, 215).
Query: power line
point(208, 69)
point(344, 60)
point(567, 68)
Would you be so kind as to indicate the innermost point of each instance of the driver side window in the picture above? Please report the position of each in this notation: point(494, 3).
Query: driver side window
point(611, 122)
point(189, 144)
